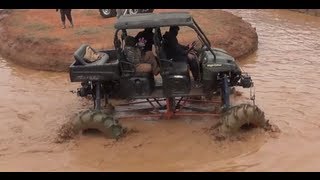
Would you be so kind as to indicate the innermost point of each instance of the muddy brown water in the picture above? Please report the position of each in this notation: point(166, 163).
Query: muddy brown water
point(285, 70)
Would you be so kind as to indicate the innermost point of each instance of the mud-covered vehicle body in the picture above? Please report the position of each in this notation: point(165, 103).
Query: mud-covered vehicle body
point(114, 77)
point(117, 77)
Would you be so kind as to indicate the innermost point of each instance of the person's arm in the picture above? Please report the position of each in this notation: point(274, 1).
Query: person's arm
point(137, 36)
point(151, 38)
point(182, 49)
point(183, 46)
point(178, 48)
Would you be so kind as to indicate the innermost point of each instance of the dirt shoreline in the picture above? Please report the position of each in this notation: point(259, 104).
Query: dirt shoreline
point(34, 38)
point(313, 12)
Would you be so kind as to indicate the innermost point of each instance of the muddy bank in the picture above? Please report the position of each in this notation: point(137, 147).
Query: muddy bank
point(314, 12)
point(34, 38)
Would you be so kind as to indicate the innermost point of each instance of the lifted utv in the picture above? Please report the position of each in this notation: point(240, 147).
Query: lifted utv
point(112, 76)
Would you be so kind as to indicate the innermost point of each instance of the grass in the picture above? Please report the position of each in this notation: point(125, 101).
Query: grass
point(37, 27)
point(87, 31)
point(30, 38)
point(15, 20)
point(90, 12)
point(108, 27)
point(50, 39)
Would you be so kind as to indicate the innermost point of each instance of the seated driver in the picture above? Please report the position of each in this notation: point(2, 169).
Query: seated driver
point(134, 55)
point(180, 52)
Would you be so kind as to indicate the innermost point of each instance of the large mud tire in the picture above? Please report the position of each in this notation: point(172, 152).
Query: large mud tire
point(244, 114)
point(107, 13)
point(99, 120)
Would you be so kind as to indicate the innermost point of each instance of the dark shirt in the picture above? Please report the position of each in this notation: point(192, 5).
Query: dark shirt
point(133, 54)
point(173, 49)
point(147, 38)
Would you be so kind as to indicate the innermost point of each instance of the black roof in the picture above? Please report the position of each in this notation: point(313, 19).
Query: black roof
point(147, 20)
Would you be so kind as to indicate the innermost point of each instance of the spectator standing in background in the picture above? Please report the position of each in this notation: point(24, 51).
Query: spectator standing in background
point(65, 13)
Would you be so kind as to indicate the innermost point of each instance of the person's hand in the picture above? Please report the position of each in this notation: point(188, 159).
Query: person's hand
point(141, 44)
point(57, 10)
point(190, 46)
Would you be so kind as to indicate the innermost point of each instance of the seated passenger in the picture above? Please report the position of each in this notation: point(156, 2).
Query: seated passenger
point(144, 40)
point(133, 55)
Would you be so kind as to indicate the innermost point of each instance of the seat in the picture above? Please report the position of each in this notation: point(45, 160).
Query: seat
point(81, 52)
point(180, 68)
point(129, 69)
point(169, 67)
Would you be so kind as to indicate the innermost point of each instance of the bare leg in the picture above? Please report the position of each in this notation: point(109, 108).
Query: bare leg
point(63, 18)
point(151, 59)
point(68, 14)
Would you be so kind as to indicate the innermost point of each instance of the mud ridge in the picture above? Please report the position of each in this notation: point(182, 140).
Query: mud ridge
point(34, 38)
